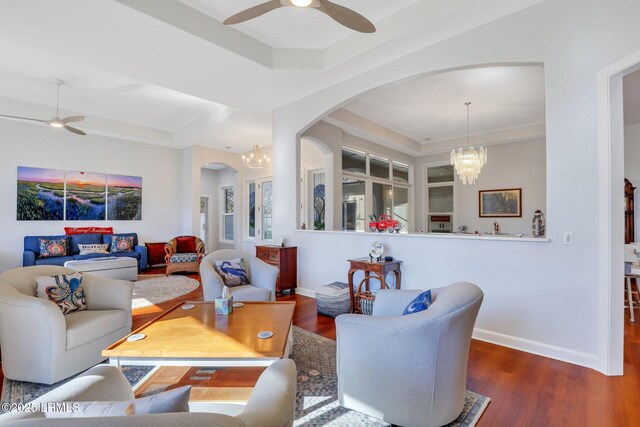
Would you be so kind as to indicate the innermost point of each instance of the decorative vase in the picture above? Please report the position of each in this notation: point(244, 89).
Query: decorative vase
point(537, 224)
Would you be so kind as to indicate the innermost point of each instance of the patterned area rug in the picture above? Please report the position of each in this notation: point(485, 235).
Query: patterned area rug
point(316, 394)
point(156, 288)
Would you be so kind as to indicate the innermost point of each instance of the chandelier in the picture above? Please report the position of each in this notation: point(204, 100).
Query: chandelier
point(468, 162)
point(254, 160)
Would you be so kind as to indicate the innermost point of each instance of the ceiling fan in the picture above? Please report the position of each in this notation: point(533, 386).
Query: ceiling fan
point(55, 122)
point(341, 14)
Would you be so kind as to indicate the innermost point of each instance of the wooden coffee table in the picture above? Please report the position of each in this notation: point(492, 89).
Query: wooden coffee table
point(197, 337)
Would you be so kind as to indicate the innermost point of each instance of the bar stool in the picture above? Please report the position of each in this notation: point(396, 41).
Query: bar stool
point(632, 271)
point(627, 278)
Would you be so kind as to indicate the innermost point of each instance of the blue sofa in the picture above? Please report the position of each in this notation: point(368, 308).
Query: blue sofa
point(31, 255)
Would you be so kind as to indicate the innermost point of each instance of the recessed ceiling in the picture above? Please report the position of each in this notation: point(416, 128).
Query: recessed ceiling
point(168, 72)
point(431, 108)
point(293, 27)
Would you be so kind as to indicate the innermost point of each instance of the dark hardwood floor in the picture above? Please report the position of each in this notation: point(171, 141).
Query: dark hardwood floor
point(525, 389)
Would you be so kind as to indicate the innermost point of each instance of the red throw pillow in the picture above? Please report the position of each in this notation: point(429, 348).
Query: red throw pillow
point(186, 245)
point(88, 230)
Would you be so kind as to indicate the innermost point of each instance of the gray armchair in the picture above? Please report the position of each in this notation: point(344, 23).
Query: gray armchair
point(40, 344)
point(408, 370)
point(271, 404)
point(262, 277)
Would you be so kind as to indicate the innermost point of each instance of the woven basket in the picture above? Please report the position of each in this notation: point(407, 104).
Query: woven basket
point(364, 299)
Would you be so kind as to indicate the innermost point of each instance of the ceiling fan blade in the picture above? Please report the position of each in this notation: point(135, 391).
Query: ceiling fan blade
point(347, 17)
point(71, 119)
point(253, 12)
point(74, 130)
point(22, 118)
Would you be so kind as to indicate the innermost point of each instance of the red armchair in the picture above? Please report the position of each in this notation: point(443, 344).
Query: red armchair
point(184, 253)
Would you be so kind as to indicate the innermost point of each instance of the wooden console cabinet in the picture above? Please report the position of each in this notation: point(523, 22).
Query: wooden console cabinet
point(286, 259)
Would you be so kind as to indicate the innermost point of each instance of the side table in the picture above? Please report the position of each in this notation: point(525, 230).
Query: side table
point(155, 253)
point(378, 268)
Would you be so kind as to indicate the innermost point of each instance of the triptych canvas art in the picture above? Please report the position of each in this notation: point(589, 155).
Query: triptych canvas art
point(56, 195)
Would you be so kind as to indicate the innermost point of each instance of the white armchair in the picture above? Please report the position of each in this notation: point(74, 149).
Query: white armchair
point(271, 404)
point(408, 370)
point(262, 277)
point(40, 344)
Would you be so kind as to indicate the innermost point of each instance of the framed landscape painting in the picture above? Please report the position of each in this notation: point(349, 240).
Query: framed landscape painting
point(40, 194)
point(124, 198)
point(86, 196)
point(505, 203)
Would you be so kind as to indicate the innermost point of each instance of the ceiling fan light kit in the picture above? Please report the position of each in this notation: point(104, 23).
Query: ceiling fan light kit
point(55, 122)
point(301, 3)
point(345, 16)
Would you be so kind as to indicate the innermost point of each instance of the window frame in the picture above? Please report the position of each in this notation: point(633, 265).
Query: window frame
point(427, 185)
point(224, 214)
point(259, 182)
point(370, 180)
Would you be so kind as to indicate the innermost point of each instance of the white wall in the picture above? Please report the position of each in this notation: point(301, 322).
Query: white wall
point(25, 144)
point(632, 167)
point(540, 297)
point(515, 165)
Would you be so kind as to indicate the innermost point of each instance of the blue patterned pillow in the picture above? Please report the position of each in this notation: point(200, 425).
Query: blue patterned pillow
point(232, 272)
point(419, 303)
point(121, 244)
point(54, 247)
point(65, 290)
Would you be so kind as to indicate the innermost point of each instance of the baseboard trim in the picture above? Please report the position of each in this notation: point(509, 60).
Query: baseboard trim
point(306, 292)
point(538, 348)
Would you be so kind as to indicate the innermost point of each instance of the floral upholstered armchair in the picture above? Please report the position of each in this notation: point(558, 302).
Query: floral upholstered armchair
point(184, 253)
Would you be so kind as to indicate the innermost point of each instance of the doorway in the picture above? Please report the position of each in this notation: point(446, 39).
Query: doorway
point(611, 168)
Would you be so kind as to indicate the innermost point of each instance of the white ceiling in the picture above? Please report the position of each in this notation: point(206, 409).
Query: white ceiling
point(293, 27)
point(168, 72)
point(109, 96)
point(433, 106)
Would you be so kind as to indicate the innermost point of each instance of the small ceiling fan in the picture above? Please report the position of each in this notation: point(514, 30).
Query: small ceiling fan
point(341, 14)
point(55, 122)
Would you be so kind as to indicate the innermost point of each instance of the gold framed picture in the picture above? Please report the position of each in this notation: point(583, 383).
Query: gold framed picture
point(503, 203)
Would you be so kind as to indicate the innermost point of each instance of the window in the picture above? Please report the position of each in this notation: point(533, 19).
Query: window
point(353, 209)
point(400, 172)
point(440, 198)
point(258, 213)
point(383, 190)
point(379, 167)
point(267, 210)
point(382, 199)
point(401, 207)
point(227, 217)
point(252, 209)
point(354, 161)
point(436, 174)
point(318, 200)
